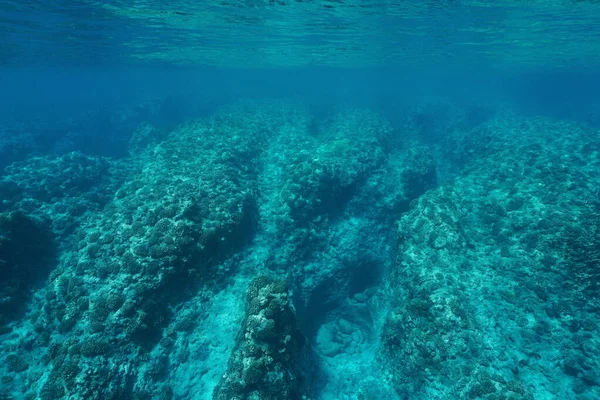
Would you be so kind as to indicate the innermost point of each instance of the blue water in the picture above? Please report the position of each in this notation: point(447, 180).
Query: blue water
point(285, 199)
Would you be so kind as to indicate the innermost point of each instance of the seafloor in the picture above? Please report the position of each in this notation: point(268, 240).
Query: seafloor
point(271, 252)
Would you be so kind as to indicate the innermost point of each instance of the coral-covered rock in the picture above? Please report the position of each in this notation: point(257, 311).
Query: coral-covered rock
point(185, 206)
point(62, 189)
point(270, 352)
point(497, 270)
point(324, 175)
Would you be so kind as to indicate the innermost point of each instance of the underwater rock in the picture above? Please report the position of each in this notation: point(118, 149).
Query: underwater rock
point(160, 239)
point(270, 355)
point(497, 271)
point(62, 189)
point(327, 172)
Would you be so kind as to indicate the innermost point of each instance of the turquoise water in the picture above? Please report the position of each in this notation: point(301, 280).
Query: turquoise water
point(300, 200)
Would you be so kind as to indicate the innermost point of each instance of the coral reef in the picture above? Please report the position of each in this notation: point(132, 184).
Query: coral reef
point(66, 189)
point(167, 228)
point(495, 270)
point(270, 252)
point(270, 351)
